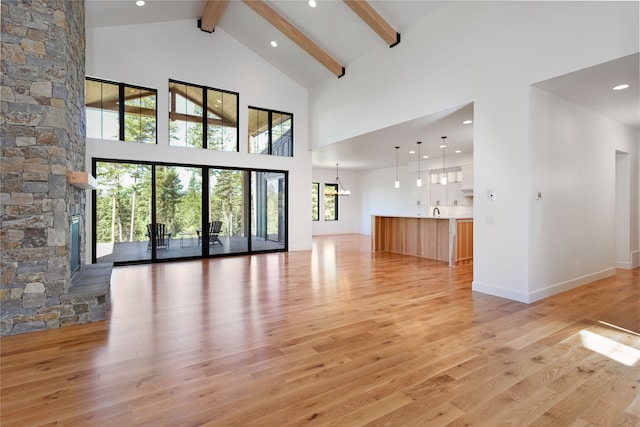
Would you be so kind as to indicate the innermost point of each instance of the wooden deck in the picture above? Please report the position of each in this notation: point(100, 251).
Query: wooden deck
point(338, 336)
point(182, 246)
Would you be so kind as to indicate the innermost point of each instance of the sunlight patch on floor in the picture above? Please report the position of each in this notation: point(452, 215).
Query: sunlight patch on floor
point(607, 347)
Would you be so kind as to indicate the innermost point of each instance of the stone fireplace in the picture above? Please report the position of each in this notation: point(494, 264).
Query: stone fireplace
point(43, 131)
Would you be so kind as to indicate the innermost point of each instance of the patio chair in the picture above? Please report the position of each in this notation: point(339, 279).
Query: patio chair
point(162, 236)
point(214, 231)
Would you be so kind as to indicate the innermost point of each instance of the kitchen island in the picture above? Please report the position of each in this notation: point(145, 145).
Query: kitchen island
point(448, 239)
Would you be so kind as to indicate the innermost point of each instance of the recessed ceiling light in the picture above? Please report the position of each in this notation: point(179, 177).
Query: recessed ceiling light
point(425, 157)
point(621, 87)
point(412, 152)
point(312, 3)
point(467, 122)
point(458, 151)
point(443, 146)
point(140, 3)
point(274, 43)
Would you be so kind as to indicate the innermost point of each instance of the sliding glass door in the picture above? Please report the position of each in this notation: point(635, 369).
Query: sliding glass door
point(123, 210)
point(178, 213)
point(145, 212)
point(227, 228)
point(268, 210)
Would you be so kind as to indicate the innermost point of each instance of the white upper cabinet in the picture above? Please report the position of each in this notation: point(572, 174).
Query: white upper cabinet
point(451, 194)
point(467, 179)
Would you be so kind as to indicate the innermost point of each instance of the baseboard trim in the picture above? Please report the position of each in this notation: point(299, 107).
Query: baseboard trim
point(623, 264)
point(499, 292)
point(570, 284)
point(541, 293)
point(634, 262)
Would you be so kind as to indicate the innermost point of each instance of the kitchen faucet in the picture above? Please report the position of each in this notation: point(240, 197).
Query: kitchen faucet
point(436, 209)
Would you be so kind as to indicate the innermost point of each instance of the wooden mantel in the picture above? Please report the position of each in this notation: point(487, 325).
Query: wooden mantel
point(82, 180)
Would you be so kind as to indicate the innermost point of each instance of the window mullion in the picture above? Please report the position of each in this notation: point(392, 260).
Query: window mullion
point(205, 106)
point(270, 137)
point(121, 112)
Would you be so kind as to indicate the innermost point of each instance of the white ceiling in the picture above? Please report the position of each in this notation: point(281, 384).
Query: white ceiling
point(592, 88)
point(332, 25)
point(376, 149)
point(338, 30)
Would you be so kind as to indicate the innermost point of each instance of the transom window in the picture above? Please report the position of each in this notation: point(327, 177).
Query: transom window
point(270, 132)
point(120, 112)
point(202, 117)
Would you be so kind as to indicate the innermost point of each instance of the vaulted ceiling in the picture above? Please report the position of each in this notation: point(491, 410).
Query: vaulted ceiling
point(314, 44)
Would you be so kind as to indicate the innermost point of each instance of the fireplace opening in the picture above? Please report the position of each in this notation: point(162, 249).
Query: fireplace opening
point(75, 243)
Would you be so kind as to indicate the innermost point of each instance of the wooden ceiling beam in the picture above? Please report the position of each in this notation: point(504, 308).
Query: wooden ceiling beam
point(264, 10)
point(373, 19)
point(212, 13)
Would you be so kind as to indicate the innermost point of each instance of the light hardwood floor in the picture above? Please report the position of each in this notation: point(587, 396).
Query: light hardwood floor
point(338, 336)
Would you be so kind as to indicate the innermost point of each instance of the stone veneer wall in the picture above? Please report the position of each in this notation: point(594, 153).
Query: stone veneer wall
point(43, 129)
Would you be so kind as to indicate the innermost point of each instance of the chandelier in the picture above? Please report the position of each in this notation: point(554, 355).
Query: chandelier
point(340, 191)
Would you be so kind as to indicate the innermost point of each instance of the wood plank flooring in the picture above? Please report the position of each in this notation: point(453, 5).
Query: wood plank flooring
point(337, 336)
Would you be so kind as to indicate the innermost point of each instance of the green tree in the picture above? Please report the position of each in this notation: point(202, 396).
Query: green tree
point(110, 177)
point(190, 207)
point(122, 203)
point(168, 195)
point(140, 117)
point(140, 178)
point(315, 207)
point(227, 200)
point(272, 207)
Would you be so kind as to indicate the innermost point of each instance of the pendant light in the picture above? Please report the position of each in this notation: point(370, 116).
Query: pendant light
point(397, 184)
point(341, 191)
point(419, 180)
point(443, 180)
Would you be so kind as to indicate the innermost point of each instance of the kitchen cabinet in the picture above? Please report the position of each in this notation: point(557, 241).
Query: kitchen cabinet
point(464, 241)
point(451, 194)
point(444, 239)
point(454, 196)
point(438, 194)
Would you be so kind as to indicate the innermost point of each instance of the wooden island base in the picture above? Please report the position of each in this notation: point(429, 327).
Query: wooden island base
point(444, 239)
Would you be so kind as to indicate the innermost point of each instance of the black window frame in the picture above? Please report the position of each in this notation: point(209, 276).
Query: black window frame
point(270, 142)
point(121, 106)
point(315, 210)
point(205, 133)
point(251, 248)
point(333, 195)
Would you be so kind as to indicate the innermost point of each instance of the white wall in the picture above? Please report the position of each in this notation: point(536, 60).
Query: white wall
point(573, 229)
point(380, 197)
point(488, 53)
point(149, 55)
point(623, 209)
